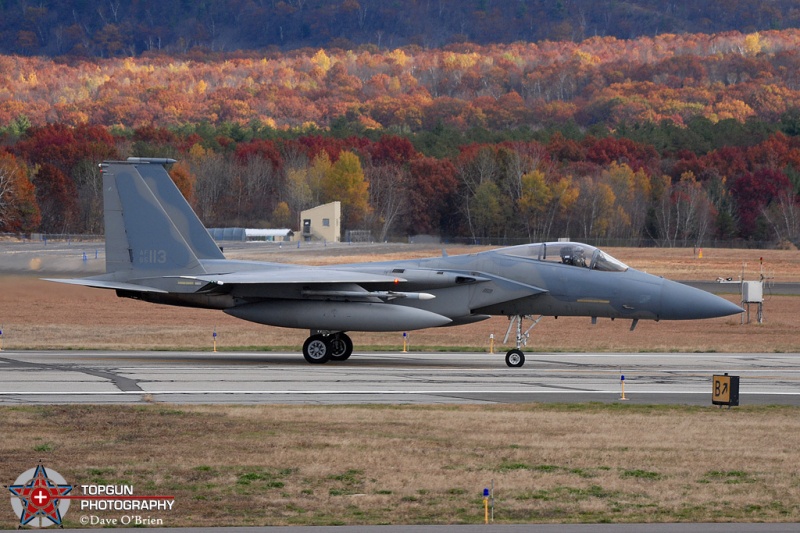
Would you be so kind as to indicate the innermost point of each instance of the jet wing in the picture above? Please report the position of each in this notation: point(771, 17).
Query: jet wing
point(294, 276)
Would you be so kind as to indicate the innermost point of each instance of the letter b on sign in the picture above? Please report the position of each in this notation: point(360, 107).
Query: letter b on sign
point(725, 390)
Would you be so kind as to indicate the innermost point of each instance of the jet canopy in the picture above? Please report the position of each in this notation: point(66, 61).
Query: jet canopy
point(570, 253)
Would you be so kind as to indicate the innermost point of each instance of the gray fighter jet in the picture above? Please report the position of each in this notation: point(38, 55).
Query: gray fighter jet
point(157, 250)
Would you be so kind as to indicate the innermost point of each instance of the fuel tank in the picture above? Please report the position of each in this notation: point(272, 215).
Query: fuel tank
point(337, 316)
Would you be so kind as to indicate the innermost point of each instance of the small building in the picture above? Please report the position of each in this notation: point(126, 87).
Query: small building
point(249, 234)
point(271, 235)
point(228, 234)
point(323, 223)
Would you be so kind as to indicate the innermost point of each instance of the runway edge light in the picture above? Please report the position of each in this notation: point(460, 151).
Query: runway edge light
point(486, 506)
point(622, 386)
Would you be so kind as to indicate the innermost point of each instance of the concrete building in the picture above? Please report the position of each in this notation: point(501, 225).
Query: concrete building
point(322, 223)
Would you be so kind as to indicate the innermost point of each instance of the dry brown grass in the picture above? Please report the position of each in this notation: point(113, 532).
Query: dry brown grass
point(274, 465)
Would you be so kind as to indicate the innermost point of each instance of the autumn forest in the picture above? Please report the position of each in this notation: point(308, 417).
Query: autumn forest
point(676, 139)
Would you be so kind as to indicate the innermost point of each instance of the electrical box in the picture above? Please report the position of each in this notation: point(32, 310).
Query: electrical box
point(752, 292)
point(725, 390)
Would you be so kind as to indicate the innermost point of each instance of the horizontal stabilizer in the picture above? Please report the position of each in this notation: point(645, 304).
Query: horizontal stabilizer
point(103, 284)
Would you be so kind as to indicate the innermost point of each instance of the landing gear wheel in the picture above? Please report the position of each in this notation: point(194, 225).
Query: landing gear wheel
point(317, 349)
point(341, 346)
point(515, 358)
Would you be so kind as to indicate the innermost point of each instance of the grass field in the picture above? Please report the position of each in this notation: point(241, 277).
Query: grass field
point(285, 465)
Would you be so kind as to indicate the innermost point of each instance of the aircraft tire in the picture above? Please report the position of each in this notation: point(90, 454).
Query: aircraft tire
point(341, 346)
point(317, 349)
point(515, 358)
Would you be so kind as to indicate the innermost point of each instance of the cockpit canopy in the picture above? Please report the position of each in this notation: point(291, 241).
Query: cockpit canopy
point(570, 253)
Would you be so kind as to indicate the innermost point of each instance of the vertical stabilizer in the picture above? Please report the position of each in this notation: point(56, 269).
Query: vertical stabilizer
point(179, 211)
point(150, 228)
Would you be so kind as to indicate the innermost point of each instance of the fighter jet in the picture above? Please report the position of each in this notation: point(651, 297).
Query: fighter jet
point(157, 250)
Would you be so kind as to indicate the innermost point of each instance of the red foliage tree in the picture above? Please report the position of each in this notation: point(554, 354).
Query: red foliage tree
point(635, 155)
point(753, 192)
point(729, 161)
point(57, 198)
point(265, 149)
point(63, 147)
point(313, 145)
point(155, 135)
point(392, 149)
point(775, 153)
point(563, 149)
point(432, 196)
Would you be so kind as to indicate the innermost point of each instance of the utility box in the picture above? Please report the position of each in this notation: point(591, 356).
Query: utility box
point(725, 390)
point(752, 292)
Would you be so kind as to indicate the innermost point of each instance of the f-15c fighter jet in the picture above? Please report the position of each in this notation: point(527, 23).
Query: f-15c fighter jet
point(157, 250)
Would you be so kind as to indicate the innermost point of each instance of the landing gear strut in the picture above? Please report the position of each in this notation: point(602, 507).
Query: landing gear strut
point(515, 356)
point(320, 348)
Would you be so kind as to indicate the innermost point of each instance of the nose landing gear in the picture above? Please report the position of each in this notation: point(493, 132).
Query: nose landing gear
point(515, 356)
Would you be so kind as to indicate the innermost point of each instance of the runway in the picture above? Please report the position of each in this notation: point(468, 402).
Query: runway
point(70, 377)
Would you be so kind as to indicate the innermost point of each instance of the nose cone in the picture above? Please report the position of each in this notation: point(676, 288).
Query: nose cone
point(682, 302)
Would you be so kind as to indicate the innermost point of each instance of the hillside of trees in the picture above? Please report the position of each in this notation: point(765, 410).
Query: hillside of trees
point(593, 189)
point(601, 82)
point(115, 28)
point(674, 139)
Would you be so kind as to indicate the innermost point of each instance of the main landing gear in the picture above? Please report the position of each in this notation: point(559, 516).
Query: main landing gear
point(320, 348)
point(515, 356)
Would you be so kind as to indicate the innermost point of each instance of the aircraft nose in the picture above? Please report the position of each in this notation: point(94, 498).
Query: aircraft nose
point(682, 302)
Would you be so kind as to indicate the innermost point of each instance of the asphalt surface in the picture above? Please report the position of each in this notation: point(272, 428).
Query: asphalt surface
point(34, 377)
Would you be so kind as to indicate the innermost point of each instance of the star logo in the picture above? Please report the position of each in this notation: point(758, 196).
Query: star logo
point(37, 497)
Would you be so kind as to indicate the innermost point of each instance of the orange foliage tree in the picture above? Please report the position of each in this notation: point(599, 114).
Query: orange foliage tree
point(19, 211)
